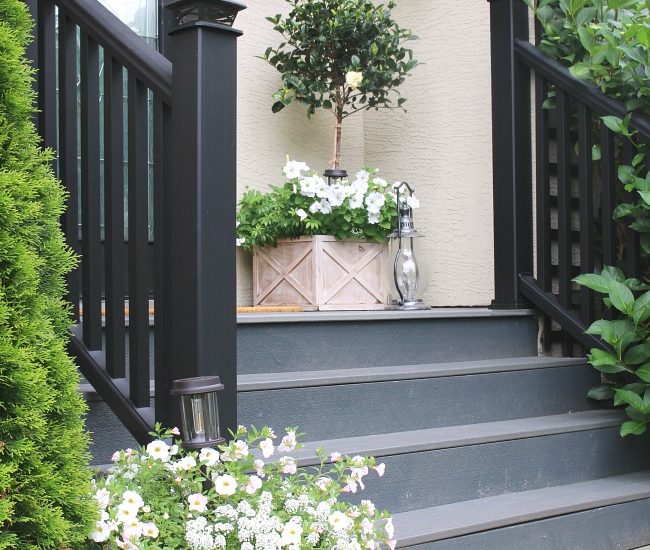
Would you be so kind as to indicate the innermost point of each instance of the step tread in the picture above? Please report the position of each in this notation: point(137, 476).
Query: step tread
point(302, 379)
point(474, 516)
point(460, 436)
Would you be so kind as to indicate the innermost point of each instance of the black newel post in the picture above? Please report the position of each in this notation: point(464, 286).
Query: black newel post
point(199, 203)
point(511, 156)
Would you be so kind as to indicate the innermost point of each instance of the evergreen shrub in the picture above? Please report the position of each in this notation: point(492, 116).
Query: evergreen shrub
point(44, 474)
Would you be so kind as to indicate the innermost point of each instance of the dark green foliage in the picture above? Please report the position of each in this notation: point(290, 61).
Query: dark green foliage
point(44, 475)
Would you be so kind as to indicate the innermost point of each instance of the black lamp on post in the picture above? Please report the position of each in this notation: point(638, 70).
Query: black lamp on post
point(220, 12)
point(333, 175)
point(199, 411)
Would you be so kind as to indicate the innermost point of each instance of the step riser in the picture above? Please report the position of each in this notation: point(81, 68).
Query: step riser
point(277, 347)
point(434, 478)
point(330, 412)
point(618, 527)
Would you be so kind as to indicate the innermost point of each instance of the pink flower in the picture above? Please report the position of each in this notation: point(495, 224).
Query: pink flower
point(175, 431)
point(335, 457)
point(380, 469)
point(288, 465)
point(254, 483)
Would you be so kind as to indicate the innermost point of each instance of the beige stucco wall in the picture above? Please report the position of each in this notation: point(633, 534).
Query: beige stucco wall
point(442, 144)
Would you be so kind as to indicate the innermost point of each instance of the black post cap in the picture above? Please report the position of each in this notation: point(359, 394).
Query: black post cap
point(198, 384)
point(222, 12)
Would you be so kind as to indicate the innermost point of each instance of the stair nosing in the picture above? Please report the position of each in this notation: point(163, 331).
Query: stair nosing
point(524, 506)
point(432, 439)
point(334, 377)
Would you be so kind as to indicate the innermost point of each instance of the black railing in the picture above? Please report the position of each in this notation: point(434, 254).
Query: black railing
point(569, 200)
point(82, 51)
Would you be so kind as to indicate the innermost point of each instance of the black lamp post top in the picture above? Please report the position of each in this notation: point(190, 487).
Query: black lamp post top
point(196, 385)
point(223, 12)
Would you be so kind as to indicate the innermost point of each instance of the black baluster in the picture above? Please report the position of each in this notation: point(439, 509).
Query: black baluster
point(138, 243)
point(90, 185)
point(564, 208)
point(114, 215)
point(68, 149)
point(587, 299)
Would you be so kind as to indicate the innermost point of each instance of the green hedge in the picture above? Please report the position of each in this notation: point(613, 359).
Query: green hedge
point(44, 474)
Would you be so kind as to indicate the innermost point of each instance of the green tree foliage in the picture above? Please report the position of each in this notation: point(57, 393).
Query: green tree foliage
point(343, 56)
point(44, 474)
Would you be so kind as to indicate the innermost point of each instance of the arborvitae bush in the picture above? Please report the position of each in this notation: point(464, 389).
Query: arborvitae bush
point(44, 474)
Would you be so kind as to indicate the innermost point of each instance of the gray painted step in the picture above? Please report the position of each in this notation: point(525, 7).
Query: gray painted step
point(537, 388)
point(316, 341)
point(482, 460)
point(421, 528)
point(303, 379)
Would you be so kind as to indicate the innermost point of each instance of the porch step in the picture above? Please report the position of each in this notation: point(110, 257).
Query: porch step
point(377, 400)
point(602, 514)
point(487, 459)
point(325, 340)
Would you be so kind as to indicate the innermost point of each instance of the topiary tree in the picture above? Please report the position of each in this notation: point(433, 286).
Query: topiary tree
point(344, 56)
point(44, 474)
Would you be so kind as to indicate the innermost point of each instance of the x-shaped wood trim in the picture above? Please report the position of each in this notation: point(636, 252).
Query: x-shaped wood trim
point(284, 274)
point(352, 273)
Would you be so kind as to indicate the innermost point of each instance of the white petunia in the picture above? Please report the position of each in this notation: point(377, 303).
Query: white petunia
point(150, 530)
point(381, 182)
point(267, 448)
point(126, 513)
point(374, 202)
point(101, 532)
point(413, 202)
point(102, 496)
point(373, 218)
point(132, 498)
point(198, 502)
point(308, 186)
point(241, 449)
point(288, 465)
point(186, 463)
point(158, 450)
point(337, 195)
point(363, 175)
point(301, 214)
point(132, 531)
point(325, 206)
point(291, 534)
point(254, 483)
point(225, 485)
point(288, 443)
point(339, 521)
point(208, 456)
point(356, 201)
point(294, 169)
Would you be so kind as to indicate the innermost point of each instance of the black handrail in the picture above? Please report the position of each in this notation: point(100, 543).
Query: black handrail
point(581, 90)
point(151, 67)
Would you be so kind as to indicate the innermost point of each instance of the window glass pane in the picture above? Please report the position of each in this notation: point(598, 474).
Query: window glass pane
point(140, 15)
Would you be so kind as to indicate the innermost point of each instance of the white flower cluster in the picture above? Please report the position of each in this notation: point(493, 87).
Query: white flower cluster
point(367, 191)
point(247, 503)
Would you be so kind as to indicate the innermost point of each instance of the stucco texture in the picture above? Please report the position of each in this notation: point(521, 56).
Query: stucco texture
point(442, 144)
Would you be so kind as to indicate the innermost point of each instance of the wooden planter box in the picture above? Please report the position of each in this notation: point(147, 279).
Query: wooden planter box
point(321, 273)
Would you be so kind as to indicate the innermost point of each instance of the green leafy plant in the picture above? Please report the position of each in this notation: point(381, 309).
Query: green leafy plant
point(344, 56)
point(305, 204)
point(44, 474)
point(626, 364)
point(607, 43)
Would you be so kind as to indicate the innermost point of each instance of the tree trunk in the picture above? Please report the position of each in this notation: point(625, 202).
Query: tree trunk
point(337, 143)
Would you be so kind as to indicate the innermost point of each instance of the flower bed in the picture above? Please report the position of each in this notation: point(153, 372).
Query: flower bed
point(233, 498)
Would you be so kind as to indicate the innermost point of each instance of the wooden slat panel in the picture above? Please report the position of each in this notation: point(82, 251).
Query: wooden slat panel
point(90, 194)
point(564, 206)
point(114, 215)
point(68, 149)
point(138, 242)
point(586, 210)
